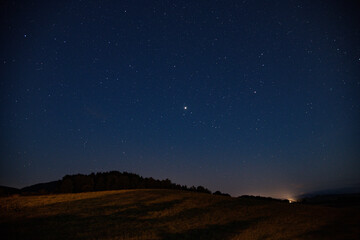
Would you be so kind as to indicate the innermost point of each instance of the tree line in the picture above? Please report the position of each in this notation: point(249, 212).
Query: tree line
point(115, 180)
point(102, 181)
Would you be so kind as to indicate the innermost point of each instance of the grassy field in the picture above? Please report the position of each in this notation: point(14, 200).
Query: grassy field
point(170, 214)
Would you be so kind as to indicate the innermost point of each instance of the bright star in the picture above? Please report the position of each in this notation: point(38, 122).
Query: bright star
point(185, 108)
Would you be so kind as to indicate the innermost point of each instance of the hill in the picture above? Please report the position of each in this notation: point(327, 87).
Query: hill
point(6, 191)
point(101, 181)
point(334, 200)
point(170, 214)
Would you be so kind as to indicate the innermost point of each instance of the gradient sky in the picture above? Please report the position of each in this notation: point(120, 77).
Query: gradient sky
point(245, 97)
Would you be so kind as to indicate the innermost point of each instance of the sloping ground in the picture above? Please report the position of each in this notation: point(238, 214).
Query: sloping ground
point(170, 214)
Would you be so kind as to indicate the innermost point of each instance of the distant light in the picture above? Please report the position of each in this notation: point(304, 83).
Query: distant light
point(185, 108)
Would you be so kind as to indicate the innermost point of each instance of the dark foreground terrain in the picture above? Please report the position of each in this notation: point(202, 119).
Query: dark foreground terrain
point(170, 214)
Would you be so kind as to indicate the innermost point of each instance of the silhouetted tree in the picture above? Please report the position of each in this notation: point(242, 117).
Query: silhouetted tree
point(202, 189)
point(222, 194)
point(66, 185)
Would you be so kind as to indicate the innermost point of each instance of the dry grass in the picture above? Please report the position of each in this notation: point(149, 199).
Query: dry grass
point(169, 214)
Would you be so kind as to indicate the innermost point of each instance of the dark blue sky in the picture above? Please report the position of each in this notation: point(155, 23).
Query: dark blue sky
point(246, 97)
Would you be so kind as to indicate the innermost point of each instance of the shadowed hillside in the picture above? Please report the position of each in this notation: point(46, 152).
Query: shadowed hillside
point(5, 191)
point(170, 214)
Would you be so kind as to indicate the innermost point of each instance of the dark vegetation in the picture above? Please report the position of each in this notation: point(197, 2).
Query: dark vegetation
point(221, 194)
point(113, 180)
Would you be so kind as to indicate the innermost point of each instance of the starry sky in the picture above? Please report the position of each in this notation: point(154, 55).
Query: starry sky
point(245, 97)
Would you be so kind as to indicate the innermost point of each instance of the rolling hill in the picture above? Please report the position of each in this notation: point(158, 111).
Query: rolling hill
point(170, 214)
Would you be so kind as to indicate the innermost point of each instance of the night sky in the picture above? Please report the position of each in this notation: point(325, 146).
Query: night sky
point(245, 97)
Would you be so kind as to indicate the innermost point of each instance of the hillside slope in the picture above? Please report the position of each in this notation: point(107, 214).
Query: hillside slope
point(170, 214)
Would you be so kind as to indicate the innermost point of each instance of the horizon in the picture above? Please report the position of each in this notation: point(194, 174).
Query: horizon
point(280, 195)
point(241, 97)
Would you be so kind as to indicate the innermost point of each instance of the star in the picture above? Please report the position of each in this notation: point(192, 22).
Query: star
point(185, 107)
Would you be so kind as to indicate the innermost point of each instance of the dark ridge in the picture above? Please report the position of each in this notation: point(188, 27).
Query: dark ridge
point(41, 188)
point(335, 191)
point(334, 200)
point(100, 181)
point(6, 191)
